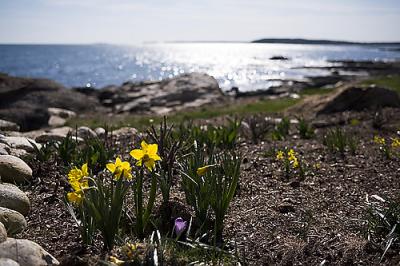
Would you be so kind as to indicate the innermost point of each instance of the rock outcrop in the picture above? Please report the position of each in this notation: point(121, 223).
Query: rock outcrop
point(361, 98)
point(25, 101)
point(182, 92)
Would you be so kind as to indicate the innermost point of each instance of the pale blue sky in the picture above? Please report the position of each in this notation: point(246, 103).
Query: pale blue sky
point(132, 21)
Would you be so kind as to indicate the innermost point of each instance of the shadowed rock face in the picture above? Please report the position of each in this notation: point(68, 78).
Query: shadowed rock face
point(25, 101)
point(358, 99)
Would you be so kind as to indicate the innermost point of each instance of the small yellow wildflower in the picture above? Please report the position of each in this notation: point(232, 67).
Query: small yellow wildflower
point(395, 143)
point(120, 167)
point(280, 155)
point(116, 261)
point(147, 155)
point(292, 158)
point(203, 170)
point(379, 140)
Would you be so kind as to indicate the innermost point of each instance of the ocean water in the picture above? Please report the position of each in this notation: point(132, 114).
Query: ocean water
point(244, 65)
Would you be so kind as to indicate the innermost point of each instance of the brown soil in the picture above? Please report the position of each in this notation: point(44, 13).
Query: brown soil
point(273, 219)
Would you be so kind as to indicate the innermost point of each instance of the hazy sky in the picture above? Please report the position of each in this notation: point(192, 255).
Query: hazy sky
point(133, 21)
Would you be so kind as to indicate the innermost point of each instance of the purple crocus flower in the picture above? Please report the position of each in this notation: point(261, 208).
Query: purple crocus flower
point(180, 225)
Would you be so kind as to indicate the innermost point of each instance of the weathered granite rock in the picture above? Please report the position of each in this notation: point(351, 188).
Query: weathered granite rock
point(20, 153)
point(8, 126)
point(63, 113)
point(13, 198)
point(8, 262)
point(56, 121)
point(13, 221)
point(184, 91)
point(3, 233)
point(25, 101)
point(59, 116)
point(14, 170)
point(26, 253)
point(86, 133)
point(4, 149)
point(125, 131)
point(100, 131)
point(19, 143)
point(361, 98)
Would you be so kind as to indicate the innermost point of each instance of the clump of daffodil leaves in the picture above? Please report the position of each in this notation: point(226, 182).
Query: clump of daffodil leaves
point(100, 199)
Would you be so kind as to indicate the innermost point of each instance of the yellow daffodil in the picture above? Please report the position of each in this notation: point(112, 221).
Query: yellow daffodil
point(203, 170)
point(75, 197)
point(379, 140)
point(119, 167)
point(76, 177)
point(116, 261)
point(280, 155)
point(395, 143)
point(147, 155)
point(292, 158)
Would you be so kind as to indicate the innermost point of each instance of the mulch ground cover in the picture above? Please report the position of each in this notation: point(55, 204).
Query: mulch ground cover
point(273, 219)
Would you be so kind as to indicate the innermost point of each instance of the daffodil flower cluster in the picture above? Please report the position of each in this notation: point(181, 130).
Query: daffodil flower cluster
point(290, 156)
point(387, 148)
point(78, 179)
point(290, 160)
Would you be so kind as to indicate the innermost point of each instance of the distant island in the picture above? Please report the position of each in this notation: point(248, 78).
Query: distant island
point(332, 42)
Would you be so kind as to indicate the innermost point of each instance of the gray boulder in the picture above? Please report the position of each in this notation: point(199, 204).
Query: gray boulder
point(26, 253)
point(13, 198)
point(14, 170)
point(13, 221)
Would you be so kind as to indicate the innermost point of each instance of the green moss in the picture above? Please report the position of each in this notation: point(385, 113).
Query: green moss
point(315, 91)
point(390, 82)
point(143, 121)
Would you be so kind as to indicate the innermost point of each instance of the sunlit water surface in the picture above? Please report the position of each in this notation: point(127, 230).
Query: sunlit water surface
point(245, 65)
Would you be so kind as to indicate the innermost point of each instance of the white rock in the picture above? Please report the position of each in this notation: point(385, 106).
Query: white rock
point(13, 198)
point(3, 233)
point(14, 170)
point(56, 121)
point(8, 126)
point(100, 131)
point(13, 221)
point(62, 113)
point(8, 262)
point(20, 143)
point(26, 253)
point(19, 153)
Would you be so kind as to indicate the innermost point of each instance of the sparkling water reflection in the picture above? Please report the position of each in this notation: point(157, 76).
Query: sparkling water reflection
point(247, 66)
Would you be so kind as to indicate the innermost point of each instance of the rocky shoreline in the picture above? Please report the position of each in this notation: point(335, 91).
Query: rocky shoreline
point(37, 103)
